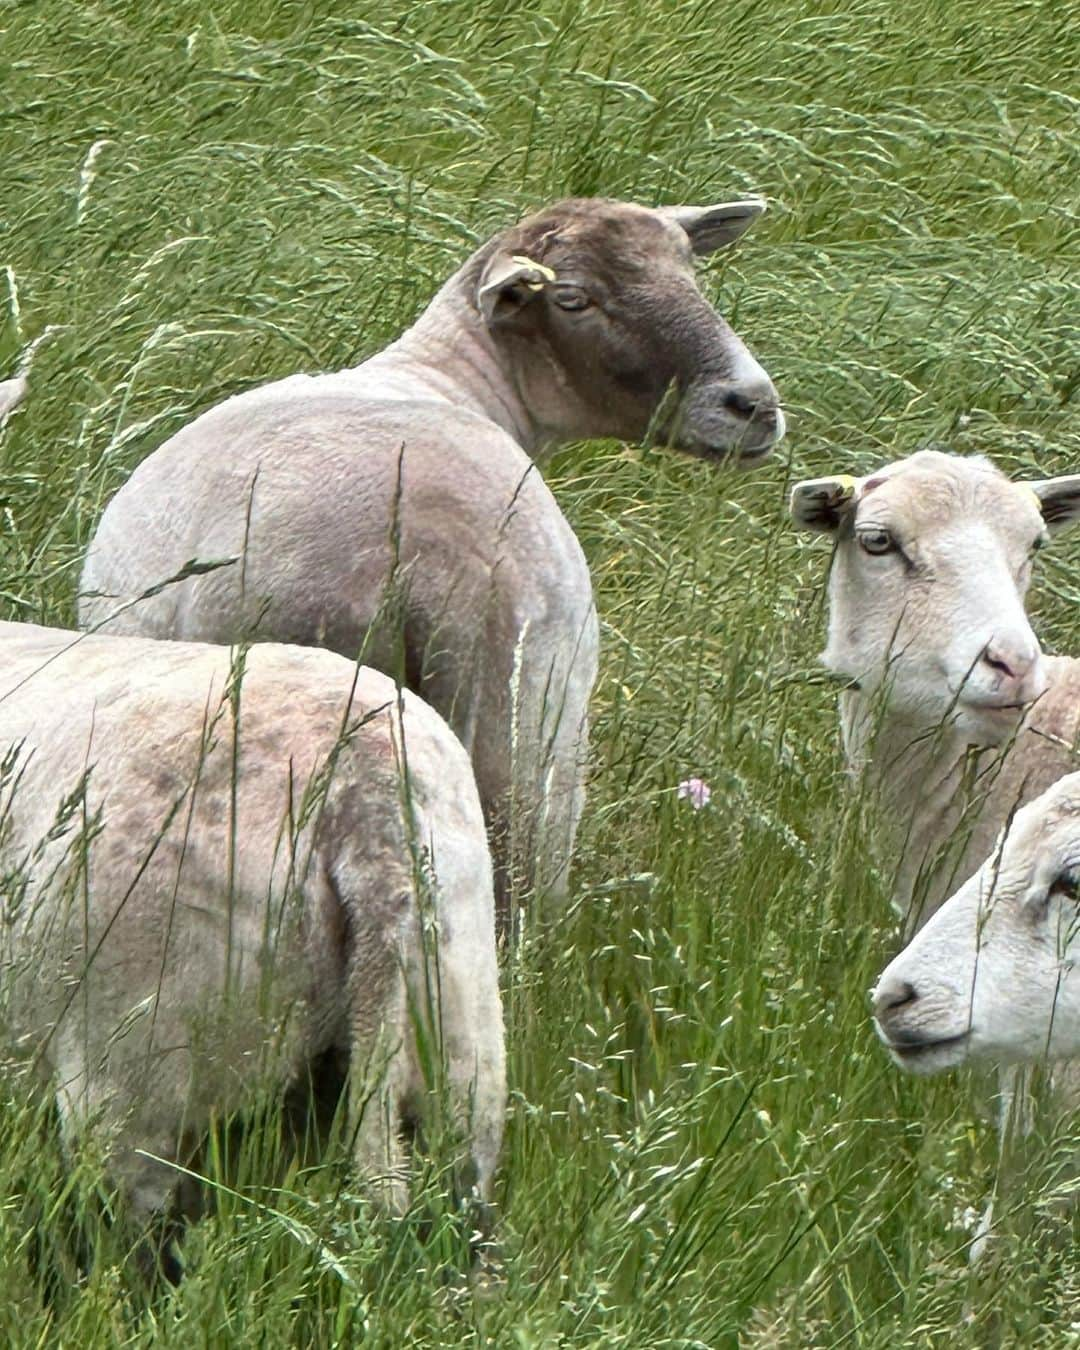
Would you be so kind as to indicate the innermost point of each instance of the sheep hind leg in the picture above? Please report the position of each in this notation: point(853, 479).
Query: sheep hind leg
point(476, 1091)
point(379, 1088)
point(460, 1021)
point(475, 1098)
point(162, 1197)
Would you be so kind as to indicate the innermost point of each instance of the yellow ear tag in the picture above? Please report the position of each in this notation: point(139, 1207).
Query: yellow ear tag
point(846, 486)
point(1033, 495)
point(545, 272)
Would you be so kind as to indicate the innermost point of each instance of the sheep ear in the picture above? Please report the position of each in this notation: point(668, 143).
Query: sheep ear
point(1059, 499)
point(509, 283)
point(822, 503)
point(713, 227)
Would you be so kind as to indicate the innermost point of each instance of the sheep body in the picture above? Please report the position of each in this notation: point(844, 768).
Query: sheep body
point(12, 393)
point(942, 801)
point(215, 874)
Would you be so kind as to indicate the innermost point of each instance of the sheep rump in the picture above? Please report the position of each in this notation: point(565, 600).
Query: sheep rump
point(222, 865)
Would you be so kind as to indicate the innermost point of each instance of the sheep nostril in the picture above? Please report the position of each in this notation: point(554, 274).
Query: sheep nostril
point(738, 403)
point(893, 997)
point(996, 663)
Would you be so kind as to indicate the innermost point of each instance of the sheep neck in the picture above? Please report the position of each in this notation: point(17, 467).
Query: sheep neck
point(929, 785)
point(449, 355)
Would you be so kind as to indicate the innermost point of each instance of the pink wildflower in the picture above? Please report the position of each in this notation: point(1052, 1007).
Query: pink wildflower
point(696, 791)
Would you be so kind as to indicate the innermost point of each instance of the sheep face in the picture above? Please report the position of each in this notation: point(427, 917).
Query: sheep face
point(926, 593)
point(992, 975)
point(596, 313)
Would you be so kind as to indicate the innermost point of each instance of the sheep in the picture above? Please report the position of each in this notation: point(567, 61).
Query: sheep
point(395, 509)
point(991, 976)
point(221, 865)
point(952, 714)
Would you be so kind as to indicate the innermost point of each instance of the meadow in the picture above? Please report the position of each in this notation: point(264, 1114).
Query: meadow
point(706, 1146)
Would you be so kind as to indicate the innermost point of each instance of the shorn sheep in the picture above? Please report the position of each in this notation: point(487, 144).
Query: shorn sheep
point(218, 867)
point(952, 713)
point(394, 509)
point(992, 976)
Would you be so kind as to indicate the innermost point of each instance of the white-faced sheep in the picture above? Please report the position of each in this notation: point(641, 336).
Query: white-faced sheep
point(395, 509)
point(219, 866)
point(992, 976)
point(952, 714)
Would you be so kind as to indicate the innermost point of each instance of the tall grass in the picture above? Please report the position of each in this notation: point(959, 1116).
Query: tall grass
point(705, 1145)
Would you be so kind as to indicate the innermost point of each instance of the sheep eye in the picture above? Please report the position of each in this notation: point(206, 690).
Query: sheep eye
point(571, 297)
point(1066, 886)
point(875, 541)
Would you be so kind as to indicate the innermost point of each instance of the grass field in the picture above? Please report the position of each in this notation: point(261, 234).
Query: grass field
point(706, 1146)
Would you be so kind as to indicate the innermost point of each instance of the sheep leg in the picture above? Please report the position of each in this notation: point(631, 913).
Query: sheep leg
point(456, 1012)
point(475, 1077)
point(477, 1093)
point(549, 752)
point(379, 1080)
point(530, 772)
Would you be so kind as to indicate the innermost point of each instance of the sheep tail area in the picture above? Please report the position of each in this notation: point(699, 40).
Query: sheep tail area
point(422, 1005)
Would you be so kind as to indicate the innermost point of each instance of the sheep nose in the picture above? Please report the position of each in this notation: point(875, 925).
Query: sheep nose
point(740, 413)
point(752, 401)
point(1015, 665)
point(890, 996)
point(1009, 663)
